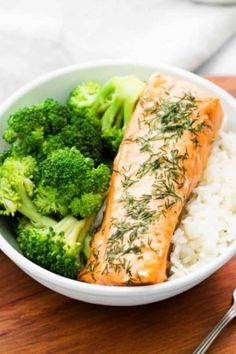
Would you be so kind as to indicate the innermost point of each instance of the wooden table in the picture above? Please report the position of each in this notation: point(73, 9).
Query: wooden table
point(34, 319)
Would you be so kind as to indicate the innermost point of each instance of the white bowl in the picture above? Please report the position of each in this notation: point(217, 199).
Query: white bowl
point(58, 84)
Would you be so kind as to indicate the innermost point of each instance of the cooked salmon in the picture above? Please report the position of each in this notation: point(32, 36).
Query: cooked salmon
point(159, 162)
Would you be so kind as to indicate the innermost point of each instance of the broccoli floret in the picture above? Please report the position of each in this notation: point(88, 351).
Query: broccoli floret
point(4, 154)
point(29, 126)
point(109, 108)
point(84, 136)
point(79, 133)
point(86, 248)
point(16, 190)
point(111, 140)
point(97, 180)
point(86, 205)
point(2, 158)
point(51, 144)
point(43, 128)
point(82, 98)
point(114, 105)
point(49, 201)
point(58, 248)
point(67, 177)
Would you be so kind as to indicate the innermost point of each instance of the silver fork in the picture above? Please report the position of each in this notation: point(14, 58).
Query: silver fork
point(202, 348)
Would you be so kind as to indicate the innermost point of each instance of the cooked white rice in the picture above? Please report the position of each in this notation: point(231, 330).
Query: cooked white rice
point(209, 225)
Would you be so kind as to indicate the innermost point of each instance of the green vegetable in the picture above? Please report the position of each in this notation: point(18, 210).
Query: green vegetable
point(81, 134)
point(86, 249)
point(16, 190)
point(108, 107)
point(82, 98)
point(111, 140)
point(53, 167)
point(29, 126)
point(4, 154)
point(58, 248)
point(114, 105)
point(87, 204)
point(69, 183)
point(45, 127)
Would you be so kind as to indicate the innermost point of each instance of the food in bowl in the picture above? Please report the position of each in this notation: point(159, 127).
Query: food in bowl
point(54, 164)
point(160, 160)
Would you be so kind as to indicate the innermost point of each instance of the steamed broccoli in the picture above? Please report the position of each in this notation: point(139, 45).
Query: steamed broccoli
point(4, 154)
point(82, 135)
point(114, 105)
point(87, 204)
point(28, 127)
point(111, 140)
point(16, 190)
point(51, 144)
point(108, 107)
point(82, 98)
point(58, 248)
point(68, 182)
point(53, 168)
point(45, 127)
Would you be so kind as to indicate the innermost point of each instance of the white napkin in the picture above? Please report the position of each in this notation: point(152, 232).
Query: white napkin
point(223, 63)
point(175, 31)
point(37, 37)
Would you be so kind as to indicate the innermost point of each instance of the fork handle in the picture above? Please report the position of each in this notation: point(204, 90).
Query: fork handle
point(202, 348)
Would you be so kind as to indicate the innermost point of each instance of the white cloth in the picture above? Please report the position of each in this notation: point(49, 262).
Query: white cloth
point(37, 37)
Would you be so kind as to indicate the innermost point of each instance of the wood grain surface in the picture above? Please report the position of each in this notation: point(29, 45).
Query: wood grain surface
point(34, 319)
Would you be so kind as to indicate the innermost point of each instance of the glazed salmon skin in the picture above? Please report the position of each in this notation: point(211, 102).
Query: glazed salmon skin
point(159, 162)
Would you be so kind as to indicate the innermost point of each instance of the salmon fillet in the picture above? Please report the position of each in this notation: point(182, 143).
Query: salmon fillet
point(159, 162)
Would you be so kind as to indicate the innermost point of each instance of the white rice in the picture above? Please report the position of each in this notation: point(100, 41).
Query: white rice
point(209, 225)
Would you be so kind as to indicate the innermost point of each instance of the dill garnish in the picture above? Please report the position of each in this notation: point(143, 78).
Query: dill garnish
point(151, 164)
point(137, 208)
point(93, 264)
point(127, 181)
point(173, 116)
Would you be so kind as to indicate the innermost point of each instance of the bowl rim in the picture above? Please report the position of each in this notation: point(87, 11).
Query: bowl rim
point(107, 290)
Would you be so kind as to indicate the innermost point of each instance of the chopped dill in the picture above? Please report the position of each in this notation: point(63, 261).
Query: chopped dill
point(127, 181)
